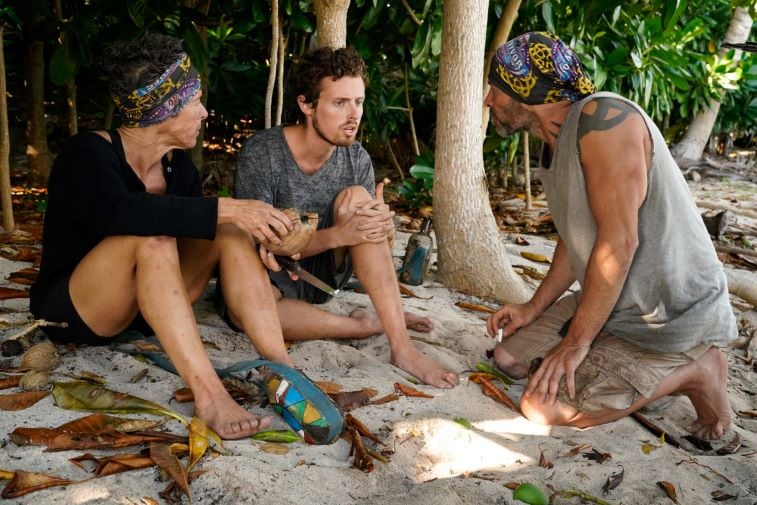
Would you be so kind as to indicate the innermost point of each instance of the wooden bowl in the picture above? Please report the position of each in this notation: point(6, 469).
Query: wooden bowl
point(305, 224)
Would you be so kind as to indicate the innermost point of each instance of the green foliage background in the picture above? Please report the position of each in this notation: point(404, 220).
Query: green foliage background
point(662, 54)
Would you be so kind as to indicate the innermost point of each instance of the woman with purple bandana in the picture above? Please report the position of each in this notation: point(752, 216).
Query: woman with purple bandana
point(130, 242)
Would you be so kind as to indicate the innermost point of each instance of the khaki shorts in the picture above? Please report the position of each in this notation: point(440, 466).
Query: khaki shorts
point(614, 371)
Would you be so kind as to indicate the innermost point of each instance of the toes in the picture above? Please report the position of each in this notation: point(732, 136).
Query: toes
point(451, 378)
point(264, 422)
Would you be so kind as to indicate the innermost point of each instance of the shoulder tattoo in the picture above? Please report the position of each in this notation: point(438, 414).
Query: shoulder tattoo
point(609, 113)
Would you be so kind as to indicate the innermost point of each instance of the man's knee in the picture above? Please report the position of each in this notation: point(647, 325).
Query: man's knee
point(357, 194)
point(558, 414)
point(509, 363)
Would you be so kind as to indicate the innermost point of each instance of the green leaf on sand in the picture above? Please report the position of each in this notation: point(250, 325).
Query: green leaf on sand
point(463, 422)
point(531, 494)
point(483, 366)
point(78, 395)
point(280, 436)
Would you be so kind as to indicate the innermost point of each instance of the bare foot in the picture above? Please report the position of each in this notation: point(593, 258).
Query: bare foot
point(224, 416)
point(369, 322)
point(372, 326)
point(424, 368)
point(418, 323)
point(709, 395)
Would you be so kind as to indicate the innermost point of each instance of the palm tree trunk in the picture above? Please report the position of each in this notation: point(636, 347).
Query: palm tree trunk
point(472, 257)
point(5, 146)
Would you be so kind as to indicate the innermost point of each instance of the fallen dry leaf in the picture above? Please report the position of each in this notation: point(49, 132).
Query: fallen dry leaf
point(538, 258)
point(543, 461)
point(6, 475)
point(497, 394)
point(274, 448)
point(348, 400)
point(408, 292)
point(599, 457)
point(408, 391)
point(576, 450)
point(721, 495)
point(31, 254)
point(198, 441)
point(111, 465)
point(91, 424)
point(748, 413)
point(328, 387)
point(362, 460)
point(476, 307)
point(384, 399)
point(512, 485)
point(8, 293)
point(24, 483)
point(10, 381)
point(361, 428)
point(22, 400)
point(613, 481)
point(163, 457)
point(669, 489)
point(107, 440)
point(26, 276)
point(732, 446)
point(184, 395)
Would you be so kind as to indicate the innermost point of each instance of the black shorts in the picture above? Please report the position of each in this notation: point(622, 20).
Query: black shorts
point(58, 307)
point(321, 265)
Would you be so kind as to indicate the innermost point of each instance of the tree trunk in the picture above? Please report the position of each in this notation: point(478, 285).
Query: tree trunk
point(37, 151)
point(472, 257)
point(691, 146)
point(5, 147)
point(73, 123)
point(280, 78)
point(331, 22)
point(501, 35)
point(195, 154)
point(274, 60)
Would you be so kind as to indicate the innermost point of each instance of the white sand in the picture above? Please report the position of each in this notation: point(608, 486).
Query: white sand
point(436, 461)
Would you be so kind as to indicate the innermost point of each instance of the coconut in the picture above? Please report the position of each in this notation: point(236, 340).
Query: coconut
point(305, 224)
point(41, 357)
point(35, 380)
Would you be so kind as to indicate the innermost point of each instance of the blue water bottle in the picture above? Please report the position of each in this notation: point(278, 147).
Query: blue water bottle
point(417, 255)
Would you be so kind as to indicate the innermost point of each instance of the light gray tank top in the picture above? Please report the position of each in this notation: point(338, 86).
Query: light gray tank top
point(675, 296)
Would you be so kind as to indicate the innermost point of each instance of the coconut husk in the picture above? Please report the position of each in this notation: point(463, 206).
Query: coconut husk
point(305, 224)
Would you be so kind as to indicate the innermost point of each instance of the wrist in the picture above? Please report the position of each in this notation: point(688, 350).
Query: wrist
point(225, 210)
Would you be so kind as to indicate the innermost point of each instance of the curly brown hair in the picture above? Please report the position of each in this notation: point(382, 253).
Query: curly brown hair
point(306, 73)
point(132, 65)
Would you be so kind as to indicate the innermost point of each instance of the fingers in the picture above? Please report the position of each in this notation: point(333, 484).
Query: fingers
point(570, 380)
point(380, 192)
point(494, 323)
point(268, 259)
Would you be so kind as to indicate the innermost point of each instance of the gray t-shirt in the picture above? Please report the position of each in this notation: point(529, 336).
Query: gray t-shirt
point(266, 171)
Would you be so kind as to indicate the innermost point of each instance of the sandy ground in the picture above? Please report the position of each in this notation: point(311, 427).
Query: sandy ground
point(435, 460)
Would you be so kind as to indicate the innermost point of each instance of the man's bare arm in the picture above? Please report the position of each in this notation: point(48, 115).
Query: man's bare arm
point(614, 145)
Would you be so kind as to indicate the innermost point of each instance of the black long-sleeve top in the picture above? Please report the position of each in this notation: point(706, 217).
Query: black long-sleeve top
point(93, 193)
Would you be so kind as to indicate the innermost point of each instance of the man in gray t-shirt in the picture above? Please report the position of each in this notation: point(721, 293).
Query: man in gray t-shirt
point(316, 165)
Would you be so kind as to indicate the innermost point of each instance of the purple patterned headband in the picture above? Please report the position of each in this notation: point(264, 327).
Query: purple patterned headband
point(161, 99)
